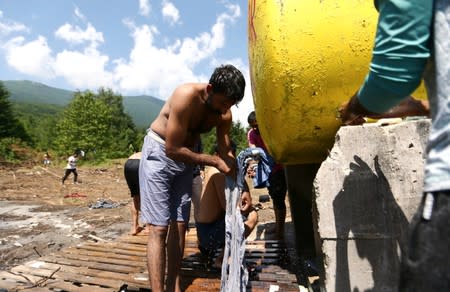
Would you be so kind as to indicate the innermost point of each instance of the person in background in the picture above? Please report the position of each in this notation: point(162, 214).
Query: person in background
point(209, 213)
point(413, 40)
point(131, 173)
point(277, 182)
point(71, 167)
point(46, 159)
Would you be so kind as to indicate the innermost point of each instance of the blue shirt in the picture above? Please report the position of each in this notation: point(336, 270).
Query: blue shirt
point(402, 48)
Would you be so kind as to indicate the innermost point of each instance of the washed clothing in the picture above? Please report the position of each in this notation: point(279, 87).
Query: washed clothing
point(263, 170)
point(165, 184)
point(254, 138)
point(234, 273)
point(131, 173)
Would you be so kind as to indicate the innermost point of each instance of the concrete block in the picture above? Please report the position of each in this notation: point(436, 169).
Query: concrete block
point(366, 192)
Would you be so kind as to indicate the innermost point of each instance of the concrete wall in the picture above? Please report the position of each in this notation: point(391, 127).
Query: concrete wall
point(367, 190)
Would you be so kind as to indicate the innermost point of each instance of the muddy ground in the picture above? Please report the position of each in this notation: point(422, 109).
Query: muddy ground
point(39, 216)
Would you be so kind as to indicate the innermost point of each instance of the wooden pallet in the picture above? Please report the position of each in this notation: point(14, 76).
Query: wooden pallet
point(122, 263)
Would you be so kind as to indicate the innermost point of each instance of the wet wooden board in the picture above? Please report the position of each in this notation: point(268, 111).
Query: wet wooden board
point(108, 266)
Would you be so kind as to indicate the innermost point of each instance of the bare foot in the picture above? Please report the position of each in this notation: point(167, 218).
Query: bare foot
point(135, 231)
point(144, 231)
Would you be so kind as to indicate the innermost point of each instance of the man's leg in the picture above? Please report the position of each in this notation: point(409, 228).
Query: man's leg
point(66, 174)
point(156, 256)
point(75, 176)
point(175, 250)
point(135, 206)
point(277, 191)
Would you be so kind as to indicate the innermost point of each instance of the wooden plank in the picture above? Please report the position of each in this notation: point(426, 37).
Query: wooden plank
point(72, 277)
point(70, 287)
point(102, 260)
point(140, 279)
point(73, 250)
point(119, 245)
point(116, 251)
point(92, 265)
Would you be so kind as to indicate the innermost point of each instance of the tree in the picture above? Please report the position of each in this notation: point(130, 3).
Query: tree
point(122, 129)
point(96, 124)
point(10, 126)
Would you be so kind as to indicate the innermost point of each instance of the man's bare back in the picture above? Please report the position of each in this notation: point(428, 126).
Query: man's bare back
point(201, 118)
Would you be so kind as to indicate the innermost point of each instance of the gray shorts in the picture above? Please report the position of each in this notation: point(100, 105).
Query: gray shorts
point(165, 185)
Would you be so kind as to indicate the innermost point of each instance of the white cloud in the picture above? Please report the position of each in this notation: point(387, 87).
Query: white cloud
point(76, 35)
point(8, 26)
point(79, 15)
point(170, 12)
point(144, 7)
point(83, 70)
point(33, 58)
point(157, 71)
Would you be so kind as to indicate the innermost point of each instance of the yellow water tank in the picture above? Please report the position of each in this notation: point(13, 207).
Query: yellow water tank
point(306, 57)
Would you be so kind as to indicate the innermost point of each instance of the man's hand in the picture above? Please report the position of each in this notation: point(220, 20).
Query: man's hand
point(352, 112)
point(246, 202)
point(222, 166)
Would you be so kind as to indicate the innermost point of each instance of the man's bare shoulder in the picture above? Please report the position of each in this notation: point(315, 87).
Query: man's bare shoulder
point(187, 91)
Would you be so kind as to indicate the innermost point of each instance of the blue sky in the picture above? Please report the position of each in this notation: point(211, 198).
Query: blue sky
point(132, 46)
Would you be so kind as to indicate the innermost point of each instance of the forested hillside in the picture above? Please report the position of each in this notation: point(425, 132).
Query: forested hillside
point(37, 118)
point(142, 109)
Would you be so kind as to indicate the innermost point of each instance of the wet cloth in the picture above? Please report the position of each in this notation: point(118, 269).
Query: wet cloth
point(165, 184)
point(234, 273)
point(263, 170)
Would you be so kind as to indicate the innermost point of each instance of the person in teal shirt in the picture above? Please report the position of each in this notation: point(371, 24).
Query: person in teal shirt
point(413, 41)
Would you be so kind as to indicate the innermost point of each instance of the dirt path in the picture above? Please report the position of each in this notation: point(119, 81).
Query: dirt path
point(39, 216)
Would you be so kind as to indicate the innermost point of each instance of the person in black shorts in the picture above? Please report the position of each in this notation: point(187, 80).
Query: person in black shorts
point(131, 172)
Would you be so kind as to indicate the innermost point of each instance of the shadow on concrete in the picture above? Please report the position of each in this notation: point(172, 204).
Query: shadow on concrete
point(367, 213)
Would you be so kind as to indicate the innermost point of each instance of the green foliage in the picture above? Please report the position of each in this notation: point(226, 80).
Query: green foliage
point(143, 109)
point(14, 150)
point(238, 135)
point(39, 122)
point(10, 125)
point(96, 124)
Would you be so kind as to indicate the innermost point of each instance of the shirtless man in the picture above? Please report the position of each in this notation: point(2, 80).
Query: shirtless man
point(209, 213)
point(165, 170)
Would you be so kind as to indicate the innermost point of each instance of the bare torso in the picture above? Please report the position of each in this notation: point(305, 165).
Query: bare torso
point(201, 119)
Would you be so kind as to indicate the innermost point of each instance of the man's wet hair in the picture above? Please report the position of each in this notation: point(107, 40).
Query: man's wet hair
point(228, 80)
point(251, 117)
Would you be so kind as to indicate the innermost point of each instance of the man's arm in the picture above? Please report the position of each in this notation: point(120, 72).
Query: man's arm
point(224, 143)
point(181, 110)
point(399, 57)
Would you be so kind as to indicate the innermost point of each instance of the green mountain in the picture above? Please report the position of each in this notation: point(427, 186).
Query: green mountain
point(29, 97)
